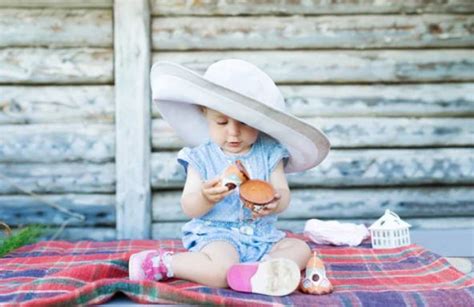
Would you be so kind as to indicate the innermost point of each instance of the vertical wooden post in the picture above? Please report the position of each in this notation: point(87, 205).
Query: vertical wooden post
point(132, 98)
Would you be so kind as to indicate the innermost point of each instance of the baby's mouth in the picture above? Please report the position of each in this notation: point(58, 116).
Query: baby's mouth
point(234, 144)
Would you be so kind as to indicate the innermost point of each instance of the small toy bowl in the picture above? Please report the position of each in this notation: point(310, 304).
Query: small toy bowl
point(234, 175)
point(256, 194)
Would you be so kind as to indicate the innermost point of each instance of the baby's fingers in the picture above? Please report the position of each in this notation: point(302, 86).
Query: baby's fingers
point(210, 183)
point(271, 206)
point(217, 190)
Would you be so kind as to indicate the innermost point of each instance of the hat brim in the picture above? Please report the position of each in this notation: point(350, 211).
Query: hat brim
point(178, 91)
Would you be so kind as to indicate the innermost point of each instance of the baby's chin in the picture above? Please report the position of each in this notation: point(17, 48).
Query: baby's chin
point(235, 150)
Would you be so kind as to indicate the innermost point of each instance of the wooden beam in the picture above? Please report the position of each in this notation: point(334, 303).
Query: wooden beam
point(97, 209)
point(57, 104)
point(357, 168)
point(375, 132)
point(57, 143)
point(56, 28)
point(300, 32)
point(343, 66)
point(57, 3)
point(409, 100)
point(43, 65)
point(72, 177)
point(350, 203)
point(132, 97)
point(311, 7)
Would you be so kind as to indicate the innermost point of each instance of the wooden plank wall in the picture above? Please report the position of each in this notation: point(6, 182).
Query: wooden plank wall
point(390, 83)
point(57, 132)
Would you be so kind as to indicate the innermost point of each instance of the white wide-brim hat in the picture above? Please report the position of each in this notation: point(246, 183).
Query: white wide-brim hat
point(241, 91)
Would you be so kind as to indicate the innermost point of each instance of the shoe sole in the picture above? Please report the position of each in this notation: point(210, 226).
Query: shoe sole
point(275, 277)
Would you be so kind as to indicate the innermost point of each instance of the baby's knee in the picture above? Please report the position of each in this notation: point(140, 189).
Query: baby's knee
point(305, 248)
point(302, 252)
point(299, 246)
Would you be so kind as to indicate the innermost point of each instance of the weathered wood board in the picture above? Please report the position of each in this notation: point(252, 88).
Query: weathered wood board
point(57, 104)
point(410, 100)
point(350, 203)
point(62, 66)
point(357, 168)
point(375, 132)
point(311, 7)
point(55, 28)
point(57, 3)
point(98, 209)
point(73, 177)
point(343, 66)
point(324, 32)
point(57, 142)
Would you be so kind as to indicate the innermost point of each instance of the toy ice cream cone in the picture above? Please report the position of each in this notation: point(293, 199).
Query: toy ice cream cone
point(255, 194)
point(234, 175)
point(315, 280)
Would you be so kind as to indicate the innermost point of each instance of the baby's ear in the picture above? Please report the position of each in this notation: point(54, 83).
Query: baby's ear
point(203, 109)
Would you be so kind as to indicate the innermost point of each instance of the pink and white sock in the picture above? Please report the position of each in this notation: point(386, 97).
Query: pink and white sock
point(150, 265)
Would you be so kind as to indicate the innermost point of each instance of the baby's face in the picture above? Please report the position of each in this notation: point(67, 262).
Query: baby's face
point(232, 136)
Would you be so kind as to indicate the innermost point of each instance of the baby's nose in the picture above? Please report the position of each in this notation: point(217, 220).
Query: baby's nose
point(234, 128)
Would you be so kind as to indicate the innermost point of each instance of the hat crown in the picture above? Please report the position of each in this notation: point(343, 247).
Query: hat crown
point(246, 79)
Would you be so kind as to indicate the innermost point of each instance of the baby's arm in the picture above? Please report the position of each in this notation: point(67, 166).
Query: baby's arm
point(280, 184)
point(199, 197)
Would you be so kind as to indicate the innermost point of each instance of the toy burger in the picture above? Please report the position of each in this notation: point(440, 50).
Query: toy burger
point(255, 194)
point(234, 175)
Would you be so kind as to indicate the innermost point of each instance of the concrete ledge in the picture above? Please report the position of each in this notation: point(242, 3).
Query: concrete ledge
point(446, 242)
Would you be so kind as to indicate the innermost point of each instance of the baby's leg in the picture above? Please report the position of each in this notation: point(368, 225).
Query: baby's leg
point(209, 266)
point(277, 274)
point(293, 249)
point(315, 280)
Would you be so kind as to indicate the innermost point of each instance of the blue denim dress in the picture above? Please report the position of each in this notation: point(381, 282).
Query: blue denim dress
point(228, 220)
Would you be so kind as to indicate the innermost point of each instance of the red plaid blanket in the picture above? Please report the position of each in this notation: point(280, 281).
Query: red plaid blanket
point(63, 273)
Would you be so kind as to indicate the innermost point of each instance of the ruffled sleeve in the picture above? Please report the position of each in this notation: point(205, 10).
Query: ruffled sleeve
point(276, 153)
point(190, 156)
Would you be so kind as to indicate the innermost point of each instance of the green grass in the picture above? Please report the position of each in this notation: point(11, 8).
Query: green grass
point(24, 236)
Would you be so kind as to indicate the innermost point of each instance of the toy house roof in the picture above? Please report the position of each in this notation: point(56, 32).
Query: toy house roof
point(390, 220)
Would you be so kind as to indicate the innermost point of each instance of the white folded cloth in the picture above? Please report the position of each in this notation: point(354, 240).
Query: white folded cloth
point(334, 232)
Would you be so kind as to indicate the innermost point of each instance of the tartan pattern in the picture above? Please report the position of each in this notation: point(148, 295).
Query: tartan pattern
point(86, 272)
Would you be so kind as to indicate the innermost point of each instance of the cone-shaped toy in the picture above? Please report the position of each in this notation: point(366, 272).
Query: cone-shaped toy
point(234, 175)
point(315, 280)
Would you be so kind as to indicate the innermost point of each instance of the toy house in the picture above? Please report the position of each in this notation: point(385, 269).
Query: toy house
point(389, 231)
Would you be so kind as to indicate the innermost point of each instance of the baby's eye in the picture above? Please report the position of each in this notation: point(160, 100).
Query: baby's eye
point(222, 123)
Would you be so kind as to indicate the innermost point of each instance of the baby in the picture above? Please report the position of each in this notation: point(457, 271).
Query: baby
point(233, 113)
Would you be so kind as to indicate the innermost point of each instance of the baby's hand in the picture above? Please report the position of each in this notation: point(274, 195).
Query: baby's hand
point(213, 191)
point(269, 208)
